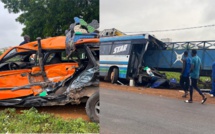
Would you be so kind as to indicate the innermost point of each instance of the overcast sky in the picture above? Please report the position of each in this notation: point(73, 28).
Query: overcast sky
point(137, 15)
point(10, 30)
point(149, 15)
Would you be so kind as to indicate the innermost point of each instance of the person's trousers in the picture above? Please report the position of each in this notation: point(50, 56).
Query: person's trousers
point(194, 85)
point(185, 83)
point(213, 87)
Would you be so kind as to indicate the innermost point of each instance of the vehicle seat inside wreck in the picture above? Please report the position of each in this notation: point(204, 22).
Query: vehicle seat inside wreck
point(55, 59)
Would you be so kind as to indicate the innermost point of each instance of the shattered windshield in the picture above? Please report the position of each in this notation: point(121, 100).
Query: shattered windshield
point(17, 58)
point(12, 52)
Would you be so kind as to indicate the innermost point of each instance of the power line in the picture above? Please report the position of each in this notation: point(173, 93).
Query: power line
point(177, 29)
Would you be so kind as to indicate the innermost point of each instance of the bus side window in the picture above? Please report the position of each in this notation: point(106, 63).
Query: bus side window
point(105, 49)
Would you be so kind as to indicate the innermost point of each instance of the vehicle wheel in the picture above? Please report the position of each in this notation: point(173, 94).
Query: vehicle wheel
point(114, 75)
point(93, 107)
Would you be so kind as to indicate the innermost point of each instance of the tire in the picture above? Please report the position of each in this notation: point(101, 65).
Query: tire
point(93, 107)
point(114, 75)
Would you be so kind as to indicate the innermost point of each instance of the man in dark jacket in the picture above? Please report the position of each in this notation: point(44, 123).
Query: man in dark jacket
point(184, 78)
point(26, 40)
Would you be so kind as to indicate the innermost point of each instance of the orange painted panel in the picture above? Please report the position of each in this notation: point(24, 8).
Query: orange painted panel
point(36, 90)
point(55, 72)
point(36, 79)
point(49, 43)
point(59, 72)
point(81, 41)
point(8, 94)
point(52, 43)
point(35, 70)
point(14, 78)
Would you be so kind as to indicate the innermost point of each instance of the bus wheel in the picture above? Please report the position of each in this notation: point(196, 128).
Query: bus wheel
point(114, 75)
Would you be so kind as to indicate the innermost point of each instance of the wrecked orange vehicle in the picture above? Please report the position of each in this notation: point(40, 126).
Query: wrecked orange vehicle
point(40, 73)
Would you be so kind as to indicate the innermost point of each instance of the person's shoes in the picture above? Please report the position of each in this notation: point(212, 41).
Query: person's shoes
point(185, 95)
point(188, 101)
point(203, 101)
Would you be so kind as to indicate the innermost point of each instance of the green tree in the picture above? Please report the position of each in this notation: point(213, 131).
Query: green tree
point(44, 18)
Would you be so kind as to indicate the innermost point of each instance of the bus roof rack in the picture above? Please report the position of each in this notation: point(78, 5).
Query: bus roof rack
point(111, 32)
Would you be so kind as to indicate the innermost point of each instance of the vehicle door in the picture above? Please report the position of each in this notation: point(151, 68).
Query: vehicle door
point(13, 74)
point(57, 67)
point(137, 51)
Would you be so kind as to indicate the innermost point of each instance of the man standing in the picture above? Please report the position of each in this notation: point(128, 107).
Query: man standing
point(26, 40)
point(212, 92)
point(184, 78)
point(194, 74)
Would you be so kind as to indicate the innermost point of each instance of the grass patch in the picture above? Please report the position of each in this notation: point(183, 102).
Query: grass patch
point(205, 78)
point(30, 121)
point(170, 75)
point(176, 75)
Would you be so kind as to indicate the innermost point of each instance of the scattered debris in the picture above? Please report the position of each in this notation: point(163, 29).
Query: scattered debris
point(120, 82)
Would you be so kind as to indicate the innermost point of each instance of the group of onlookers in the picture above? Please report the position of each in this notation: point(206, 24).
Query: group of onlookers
point(190, 75)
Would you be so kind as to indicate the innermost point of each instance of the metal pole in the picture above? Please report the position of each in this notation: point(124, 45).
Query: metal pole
point(41, 64)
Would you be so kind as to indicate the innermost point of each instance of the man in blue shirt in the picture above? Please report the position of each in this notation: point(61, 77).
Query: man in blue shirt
point(184, 78)
point(212, 92)
point(194, 74)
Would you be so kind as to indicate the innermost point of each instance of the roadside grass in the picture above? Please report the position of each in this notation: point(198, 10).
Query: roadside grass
point(170, 75)
point(30, 121)
point(176, 75)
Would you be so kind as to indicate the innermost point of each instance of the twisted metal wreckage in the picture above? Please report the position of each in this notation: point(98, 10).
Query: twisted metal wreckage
point(139, 57)
point(62, 70)
point(50, 71)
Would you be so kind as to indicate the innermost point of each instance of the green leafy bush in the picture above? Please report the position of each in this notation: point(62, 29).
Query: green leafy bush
point(30, 121)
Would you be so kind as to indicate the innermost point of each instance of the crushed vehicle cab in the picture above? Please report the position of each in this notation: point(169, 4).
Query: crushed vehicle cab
point(40, 73)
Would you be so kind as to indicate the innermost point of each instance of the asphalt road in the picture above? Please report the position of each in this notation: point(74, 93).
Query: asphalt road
point(131, 113)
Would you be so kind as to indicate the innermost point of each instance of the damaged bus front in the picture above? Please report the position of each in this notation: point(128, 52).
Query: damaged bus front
point(123, 57)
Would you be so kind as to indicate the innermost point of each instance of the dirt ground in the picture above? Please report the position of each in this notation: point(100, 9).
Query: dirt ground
point(171, 93)
point(66, 112)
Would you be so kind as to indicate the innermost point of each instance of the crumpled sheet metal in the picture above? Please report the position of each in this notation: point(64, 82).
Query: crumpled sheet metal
point(84, 79)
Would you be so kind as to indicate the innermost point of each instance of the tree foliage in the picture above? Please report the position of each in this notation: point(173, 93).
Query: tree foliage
point(44, 18)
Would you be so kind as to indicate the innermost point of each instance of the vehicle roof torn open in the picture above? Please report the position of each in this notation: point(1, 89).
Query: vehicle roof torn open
point(41, 73)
